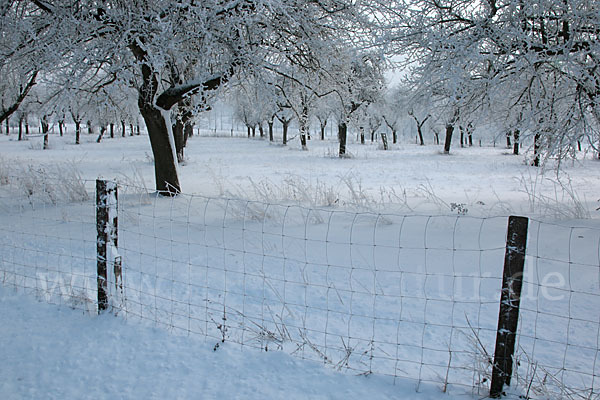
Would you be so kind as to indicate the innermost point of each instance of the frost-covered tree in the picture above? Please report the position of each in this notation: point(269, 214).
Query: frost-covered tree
point(322, 112)
point(392, 111)
point(536, 63)
point(358, 82)
point(141, 43)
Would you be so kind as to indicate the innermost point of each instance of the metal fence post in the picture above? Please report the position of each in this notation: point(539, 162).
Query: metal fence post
point(106, 231)
point(510, 298)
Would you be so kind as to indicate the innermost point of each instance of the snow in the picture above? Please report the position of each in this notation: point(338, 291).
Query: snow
point(450, 256)
point(58, 353)
point(484, 180)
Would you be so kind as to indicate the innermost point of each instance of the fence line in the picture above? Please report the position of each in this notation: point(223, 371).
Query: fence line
point(411, 296)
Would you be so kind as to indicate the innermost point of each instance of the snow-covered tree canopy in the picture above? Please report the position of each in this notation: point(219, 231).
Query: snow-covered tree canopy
point(535, 64)
point(169, 50)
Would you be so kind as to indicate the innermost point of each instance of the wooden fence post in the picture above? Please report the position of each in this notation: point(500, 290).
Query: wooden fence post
point(106, 231)
point(510, 298)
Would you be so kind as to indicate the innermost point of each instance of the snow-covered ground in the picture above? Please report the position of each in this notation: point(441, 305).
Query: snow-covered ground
point(408, 180)
point(59, 353)
point(418, 179)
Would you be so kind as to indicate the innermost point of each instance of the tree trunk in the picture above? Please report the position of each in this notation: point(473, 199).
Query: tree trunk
point(112, 130)
point(342, 134)
point(188, 131)
point(131, 131)
point(165, 167)
point(508, 143)
point(6, 113)
point(101, 135)
point(384, 140)
point(26, 126)
point(7, 127)
point(122, 128)
point(261, 130)
point(462, 136)
point(61, 125)
point(178, 135)
point(536, 150)
point(323, 125)
point(394, 136)
point(516, 134)
point(45, 129)
point(270, 123)
point(89, 126)
point(420, 132)
point(285, 131)
point(249, 130)
point(77, 131)
point(303, 121)
point(448, 142)
point(21, 128)
point(362, 135)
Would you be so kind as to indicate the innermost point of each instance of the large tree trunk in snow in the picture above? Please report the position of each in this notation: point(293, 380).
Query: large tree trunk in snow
point(165, 165)
point(155, 109)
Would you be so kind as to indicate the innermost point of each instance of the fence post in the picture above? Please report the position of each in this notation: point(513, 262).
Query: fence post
point(510, 298)
point(106, 230)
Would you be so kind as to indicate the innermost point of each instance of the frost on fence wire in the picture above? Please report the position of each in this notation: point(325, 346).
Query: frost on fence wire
point(559, 328)
point(48, 238)
point(409, 296)
point(405, 296)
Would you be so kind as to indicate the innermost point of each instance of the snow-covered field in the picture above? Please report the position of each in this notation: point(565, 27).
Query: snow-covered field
point(418, 179)
point(340, 261)
point(59, 353)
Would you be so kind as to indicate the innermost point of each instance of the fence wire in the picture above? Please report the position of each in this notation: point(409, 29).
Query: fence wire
point(411, 296)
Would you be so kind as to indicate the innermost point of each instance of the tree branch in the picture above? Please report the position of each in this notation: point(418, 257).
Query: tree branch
point(4, 114)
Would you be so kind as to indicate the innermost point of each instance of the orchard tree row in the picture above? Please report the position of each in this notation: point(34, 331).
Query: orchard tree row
point(531, 69)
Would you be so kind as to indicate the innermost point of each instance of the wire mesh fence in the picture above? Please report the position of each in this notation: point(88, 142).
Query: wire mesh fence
point(411, 296)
